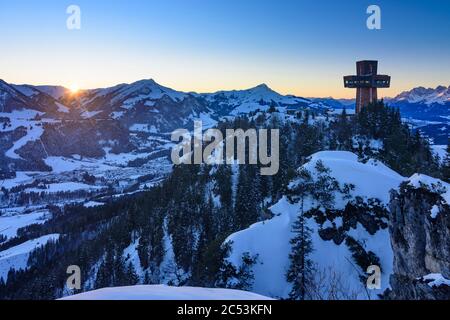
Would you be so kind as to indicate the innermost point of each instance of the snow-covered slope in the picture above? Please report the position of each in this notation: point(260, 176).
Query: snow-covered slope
point(13, 99)
point(130, 94)
point(9, 225)
point(162, 292)
point(440, 94)
point(269, 240)
point(17, 257)
point(23, 97)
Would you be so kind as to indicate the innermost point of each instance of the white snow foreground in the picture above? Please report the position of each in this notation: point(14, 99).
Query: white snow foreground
point(270, 239)
point(163, 292)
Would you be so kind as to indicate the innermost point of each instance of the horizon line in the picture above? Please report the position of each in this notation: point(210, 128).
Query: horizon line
point(210, 92)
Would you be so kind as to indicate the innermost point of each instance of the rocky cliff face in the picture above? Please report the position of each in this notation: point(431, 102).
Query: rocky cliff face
point(419, 226)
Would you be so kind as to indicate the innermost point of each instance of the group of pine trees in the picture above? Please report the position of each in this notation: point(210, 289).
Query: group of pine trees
point(114, 271)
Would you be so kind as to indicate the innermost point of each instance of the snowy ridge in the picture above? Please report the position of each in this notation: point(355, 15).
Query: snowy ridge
point(249, 100)
point(27, 97)
point(9, 95)
point(130, 94)
point(6, 88)
point(260, 92)
point(56, 92)
point(149, 89)
point(428, 96)
point(26, 90)
point(162, 292)
point(371, 179)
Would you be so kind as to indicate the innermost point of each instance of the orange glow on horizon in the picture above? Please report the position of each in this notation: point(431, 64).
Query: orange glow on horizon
point(74, 89)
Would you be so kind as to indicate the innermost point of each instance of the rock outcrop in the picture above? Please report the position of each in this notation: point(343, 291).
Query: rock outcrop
point(419, 226)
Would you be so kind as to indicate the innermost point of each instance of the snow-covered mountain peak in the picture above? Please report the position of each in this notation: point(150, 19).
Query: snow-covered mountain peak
point(260, 92)
point(262, 87)
point(125, 97)
point(440, 94)
point(145, 84)
point(147, 89)
point(259, 97)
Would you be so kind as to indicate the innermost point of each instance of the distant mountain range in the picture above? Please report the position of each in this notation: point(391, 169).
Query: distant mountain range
point(37, 122)
point(439, 95)
point(145, 98)
point(419, 95)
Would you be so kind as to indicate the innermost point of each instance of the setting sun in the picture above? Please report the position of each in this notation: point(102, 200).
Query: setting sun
point(74, 88)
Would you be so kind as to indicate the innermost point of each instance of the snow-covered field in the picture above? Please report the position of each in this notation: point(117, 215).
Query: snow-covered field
point(19, 118)
point(162, 292)
point(33, 133)
point(26, 119)
point(64, 187)
point(21, 178)
point(10, 224)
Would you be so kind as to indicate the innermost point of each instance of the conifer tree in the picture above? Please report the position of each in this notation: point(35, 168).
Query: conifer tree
point(301, 270)
point(324, 186)
point(247, 204)
point(245, 275)
point(303, 186)
point(132, 277)
point(344, 132)
point(147, 278)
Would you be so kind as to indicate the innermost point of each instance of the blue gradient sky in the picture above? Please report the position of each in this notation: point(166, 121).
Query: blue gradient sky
point(297, 47)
